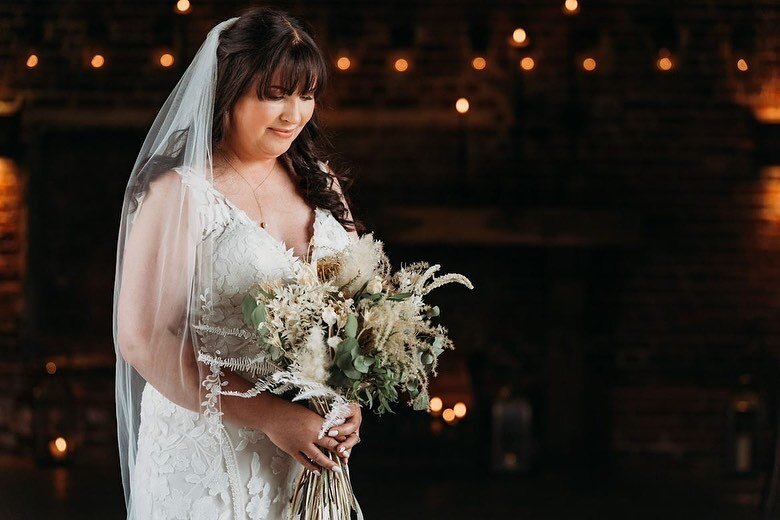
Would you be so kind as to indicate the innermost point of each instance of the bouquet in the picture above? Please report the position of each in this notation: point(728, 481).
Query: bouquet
point(345, 329)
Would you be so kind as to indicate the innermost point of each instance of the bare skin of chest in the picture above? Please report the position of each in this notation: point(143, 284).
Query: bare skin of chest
point(288, 217)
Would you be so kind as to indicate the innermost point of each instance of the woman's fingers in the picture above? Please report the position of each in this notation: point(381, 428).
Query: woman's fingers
point(345, 429)
point(345, 448)
point(320, 458)
point(304, 461)
point(329, 443)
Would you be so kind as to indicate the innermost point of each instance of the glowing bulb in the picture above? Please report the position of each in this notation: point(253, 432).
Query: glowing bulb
point(32, 61)
point(519, 36)
point(58, 448)
point(742, 65)
point(462, 105)
point(448, 415)
point(479, 63)
point(343, 63)
point(166, 60)
point(401, 65)
point(664, 63)
point(97, 61)
point(51, 367)
point(183, 6)
point(435, 404)
point(459, 409)
point(571, 6)
point(527, 63)
point(589, 64)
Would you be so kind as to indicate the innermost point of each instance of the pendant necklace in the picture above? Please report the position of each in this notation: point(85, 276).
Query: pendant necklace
point(254, 190)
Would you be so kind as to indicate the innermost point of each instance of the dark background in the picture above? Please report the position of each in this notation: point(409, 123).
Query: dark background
point(619, 353)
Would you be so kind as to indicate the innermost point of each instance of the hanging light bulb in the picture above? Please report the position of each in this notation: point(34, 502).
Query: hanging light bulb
point(97, 61)
point(167, 60)
point(32, 61)
point(401, 65)
point(519, 37)
point(571, 7)
point(479, 63)
point(183, 6)
point(664, 61)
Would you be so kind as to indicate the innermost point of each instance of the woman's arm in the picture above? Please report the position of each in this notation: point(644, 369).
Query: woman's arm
point(153, 331)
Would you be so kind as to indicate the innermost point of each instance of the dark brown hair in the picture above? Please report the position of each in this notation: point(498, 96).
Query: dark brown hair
point(260, 43)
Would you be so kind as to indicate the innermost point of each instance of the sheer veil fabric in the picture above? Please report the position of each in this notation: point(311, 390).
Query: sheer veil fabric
point(163, 260)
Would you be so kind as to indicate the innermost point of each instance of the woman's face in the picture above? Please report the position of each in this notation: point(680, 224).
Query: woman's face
point(257, 126)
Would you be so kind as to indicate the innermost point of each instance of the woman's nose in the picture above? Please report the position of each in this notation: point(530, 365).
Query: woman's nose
point(292, 110)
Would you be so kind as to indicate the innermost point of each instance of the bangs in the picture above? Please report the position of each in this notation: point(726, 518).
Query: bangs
point(300, 68)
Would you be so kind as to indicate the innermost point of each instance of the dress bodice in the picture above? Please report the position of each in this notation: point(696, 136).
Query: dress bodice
point(241, 254)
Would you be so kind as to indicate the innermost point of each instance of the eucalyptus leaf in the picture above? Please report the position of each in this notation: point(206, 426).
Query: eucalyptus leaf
point(258, 315)
point(350, 329)
point(421, 402)
point(248, 304)
point(362, 363)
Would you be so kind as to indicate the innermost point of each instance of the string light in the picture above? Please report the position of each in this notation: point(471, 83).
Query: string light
point(448, 415)
point(167, 59)
point(343, 63)
point(664, 60)
point(519, 37)
point(97, 61)
point(460, 410)
point(51, 367)
point(401, 65)
point(479, 63)
point(435, 404)
point(462, 105)
point(32, 61)
point(589, 64)
point(183, 6)
point(571, 7)
point(742, 65)
point(58, 448)
point(527, 63)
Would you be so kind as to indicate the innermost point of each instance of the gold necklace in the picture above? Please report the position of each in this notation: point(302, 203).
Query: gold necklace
point(254, 190)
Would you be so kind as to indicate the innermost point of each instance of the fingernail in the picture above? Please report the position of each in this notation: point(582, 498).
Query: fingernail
point(342, 449)
point(346, 453)
point(336, 469)
point(333, 433)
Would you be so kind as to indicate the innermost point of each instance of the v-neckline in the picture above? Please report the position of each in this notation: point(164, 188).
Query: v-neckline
point(278, 242)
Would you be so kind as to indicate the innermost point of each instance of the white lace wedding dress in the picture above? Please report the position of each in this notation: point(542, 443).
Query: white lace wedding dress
point(186, 469)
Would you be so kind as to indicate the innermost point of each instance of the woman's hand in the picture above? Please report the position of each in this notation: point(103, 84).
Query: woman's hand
point(347, 434)
point(294, 429)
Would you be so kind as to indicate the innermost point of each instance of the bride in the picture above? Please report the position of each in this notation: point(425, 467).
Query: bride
point(227, 190)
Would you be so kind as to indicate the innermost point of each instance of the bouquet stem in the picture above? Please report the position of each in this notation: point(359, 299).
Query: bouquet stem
point(328, 496)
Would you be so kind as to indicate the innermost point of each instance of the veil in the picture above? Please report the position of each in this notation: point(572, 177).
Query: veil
point(162, 267)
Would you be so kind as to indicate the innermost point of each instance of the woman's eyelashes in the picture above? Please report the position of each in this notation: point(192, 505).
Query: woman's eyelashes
point(277, 98)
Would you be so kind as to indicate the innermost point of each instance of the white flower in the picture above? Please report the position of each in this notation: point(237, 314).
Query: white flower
point(311, 359)
point(334, 341)
point(329, 316)
point(375, 285)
